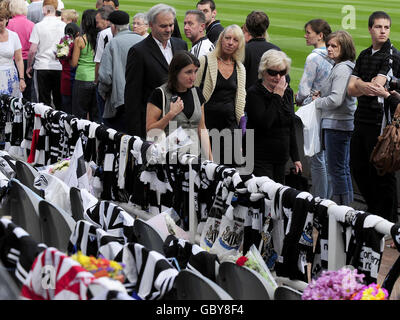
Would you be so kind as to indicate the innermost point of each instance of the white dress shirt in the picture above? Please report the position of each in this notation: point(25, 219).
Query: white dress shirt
point(167, 51)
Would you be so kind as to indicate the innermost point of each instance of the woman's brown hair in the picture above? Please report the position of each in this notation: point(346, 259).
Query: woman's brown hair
point(347, 48)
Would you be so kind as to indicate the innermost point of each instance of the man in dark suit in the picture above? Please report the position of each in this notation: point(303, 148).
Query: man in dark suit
point(257, 23)
point(147, 66)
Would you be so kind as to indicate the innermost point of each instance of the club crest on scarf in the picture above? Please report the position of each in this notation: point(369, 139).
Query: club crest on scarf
point(212, 233)
point(232, 239)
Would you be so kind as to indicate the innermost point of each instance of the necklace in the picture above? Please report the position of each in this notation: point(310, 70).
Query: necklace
point(224, 62)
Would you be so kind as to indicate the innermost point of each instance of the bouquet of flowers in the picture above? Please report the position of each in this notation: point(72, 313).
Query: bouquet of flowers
point(343, 284)
point(100, 267)
point(254, 261)
point(371, 292)
point(65, 47)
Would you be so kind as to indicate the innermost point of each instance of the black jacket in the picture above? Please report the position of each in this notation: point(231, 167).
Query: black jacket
point(272, 118)
point(254, 50)
point(213, 31)
point(146, 69)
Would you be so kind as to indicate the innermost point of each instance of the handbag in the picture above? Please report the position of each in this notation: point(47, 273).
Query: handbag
point(296, 181)
point(386, 154)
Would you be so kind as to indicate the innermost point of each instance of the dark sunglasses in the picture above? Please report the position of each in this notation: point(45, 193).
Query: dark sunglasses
point(273, 73)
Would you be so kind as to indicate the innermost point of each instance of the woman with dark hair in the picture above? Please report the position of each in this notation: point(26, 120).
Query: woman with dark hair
point(316, 71)
point(71, 31)
point(84, 104)
point(337, 113)
point(178, 103)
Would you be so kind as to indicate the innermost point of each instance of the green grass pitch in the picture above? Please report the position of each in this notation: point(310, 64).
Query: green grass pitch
point(287, 19)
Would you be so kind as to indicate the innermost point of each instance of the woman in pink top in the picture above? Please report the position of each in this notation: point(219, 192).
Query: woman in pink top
point(23, 27)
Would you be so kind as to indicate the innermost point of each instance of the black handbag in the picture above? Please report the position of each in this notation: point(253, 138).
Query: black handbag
point(296, 181)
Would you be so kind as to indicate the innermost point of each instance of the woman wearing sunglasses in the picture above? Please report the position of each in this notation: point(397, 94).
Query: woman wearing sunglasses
point(270, 113)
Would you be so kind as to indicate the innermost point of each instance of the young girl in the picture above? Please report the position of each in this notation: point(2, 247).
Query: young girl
point(68, 73)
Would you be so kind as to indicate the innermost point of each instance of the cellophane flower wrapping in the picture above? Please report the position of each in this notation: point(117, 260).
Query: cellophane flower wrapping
point(65, 47)
point(254, 261)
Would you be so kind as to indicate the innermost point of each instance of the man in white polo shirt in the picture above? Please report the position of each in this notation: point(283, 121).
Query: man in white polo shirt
point(194, 26)
point(45, 36)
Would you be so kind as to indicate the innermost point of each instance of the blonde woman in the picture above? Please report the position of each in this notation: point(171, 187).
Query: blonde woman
point(224, 87)
point(270, 113)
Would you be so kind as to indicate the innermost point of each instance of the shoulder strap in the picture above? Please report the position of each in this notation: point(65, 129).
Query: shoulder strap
point(163, 100)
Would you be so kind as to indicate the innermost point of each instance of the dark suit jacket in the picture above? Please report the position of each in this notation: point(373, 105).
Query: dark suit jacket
point(146, 69)
point(254, 50)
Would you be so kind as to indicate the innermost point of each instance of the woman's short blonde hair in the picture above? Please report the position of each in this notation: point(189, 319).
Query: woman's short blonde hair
point(18, 7)
point(70, 14)
point(273, 58)
point(238, 33)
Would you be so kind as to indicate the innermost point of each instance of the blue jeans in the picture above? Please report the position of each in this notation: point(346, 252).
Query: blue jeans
point(100, 104)
point(319, 176)
point(337, 145)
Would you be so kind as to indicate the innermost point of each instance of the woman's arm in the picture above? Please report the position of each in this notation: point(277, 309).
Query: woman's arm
point(204, 137)
point(31, 58)
point(153, 114)
point(337, 95)
point(78, 46)
point(20, 66)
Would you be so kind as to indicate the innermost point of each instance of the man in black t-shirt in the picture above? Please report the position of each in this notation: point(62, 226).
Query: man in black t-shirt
point(373, 67)
point(213, 27)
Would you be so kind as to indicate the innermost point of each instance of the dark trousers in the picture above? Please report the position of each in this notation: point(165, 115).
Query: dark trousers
point(118, 122)
point(27, 94)
point(100, 104)
point(84, 102)
point(379, 192)
point(274, 171)
point(48, 82)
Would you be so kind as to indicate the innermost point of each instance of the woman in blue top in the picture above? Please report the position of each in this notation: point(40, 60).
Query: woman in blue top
point(316, 71)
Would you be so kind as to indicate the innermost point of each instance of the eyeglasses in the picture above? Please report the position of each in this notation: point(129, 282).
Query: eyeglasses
point(139, 24)
point(274, 73)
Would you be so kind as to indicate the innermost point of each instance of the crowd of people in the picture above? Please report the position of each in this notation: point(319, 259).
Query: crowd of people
point(137, 74)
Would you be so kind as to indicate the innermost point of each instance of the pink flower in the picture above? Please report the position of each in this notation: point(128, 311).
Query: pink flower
point(334, 285)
